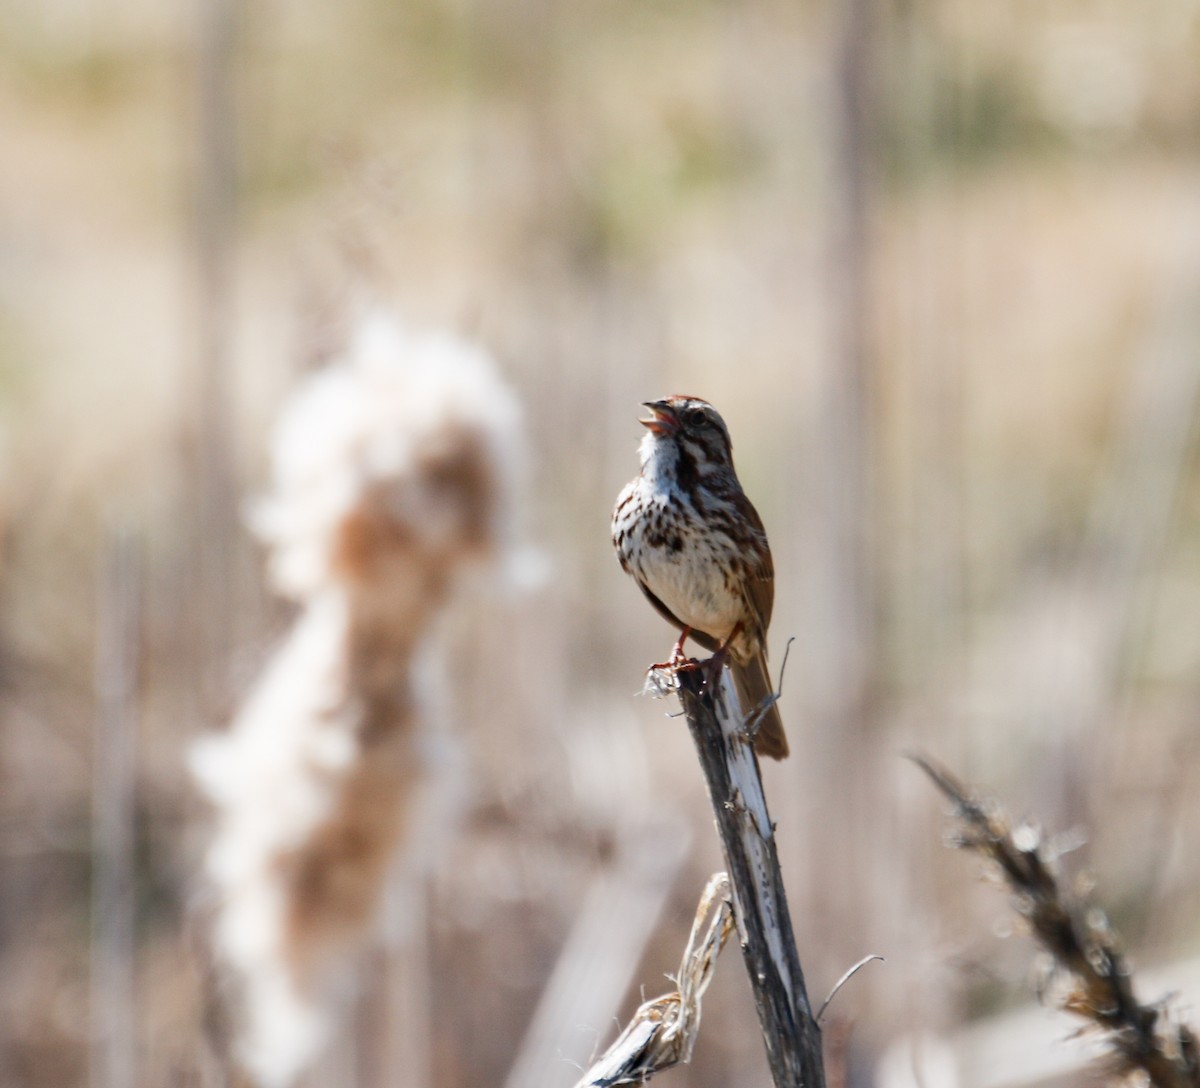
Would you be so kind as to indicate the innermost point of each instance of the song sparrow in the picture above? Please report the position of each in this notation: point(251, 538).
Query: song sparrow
point(697, 548)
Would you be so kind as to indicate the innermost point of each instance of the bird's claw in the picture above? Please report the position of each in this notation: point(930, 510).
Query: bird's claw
point(678, 661)
point(661, 676)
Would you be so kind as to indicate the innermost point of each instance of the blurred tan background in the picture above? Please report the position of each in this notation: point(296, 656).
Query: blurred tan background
point(937, 263)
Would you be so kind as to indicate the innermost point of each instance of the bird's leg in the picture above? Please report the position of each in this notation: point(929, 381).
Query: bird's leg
point(677, 660)
point(677, 657)
point(713, 664)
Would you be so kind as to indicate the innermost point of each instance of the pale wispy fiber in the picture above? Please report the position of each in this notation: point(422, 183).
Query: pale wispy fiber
point(394, 469)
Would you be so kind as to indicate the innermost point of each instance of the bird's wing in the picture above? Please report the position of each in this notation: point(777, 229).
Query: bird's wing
point(760, 570)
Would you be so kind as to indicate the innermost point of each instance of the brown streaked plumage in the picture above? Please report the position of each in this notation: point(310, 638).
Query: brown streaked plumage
point(684, 529)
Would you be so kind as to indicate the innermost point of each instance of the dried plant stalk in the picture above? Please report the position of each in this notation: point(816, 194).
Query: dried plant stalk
point(1076, 934)
point(791, 1033)
point(663, 1031)
point(113, 1028)
point(393, 473)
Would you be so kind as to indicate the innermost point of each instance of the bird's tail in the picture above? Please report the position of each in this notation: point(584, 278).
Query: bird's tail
point(754, 688)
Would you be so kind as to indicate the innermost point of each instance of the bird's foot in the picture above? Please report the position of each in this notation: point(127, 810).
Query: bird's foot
point(678, 661)
point(661, 677)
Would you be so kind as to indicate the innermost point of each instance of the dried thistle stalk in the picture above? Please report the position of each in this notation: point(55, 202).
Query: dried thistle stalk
point(1098, 984)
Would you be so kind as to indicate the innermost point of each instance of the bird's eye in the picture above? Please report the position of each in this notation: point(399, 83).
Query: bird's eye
point(696, 417)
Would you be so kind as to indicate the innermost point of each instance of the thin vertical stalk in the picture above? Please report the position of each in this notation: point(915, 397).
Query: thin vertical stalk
point(601, 953)
point(112, 1008)
point(849, 408)
point(214, 230)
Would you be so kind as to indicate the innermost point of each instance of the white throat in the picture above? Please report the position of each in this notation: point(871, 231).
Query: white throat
point(659, 458)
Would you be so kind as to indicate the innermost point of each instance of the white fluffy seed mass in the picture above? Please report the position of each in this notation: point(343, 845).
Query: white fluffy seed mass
point(394, 468)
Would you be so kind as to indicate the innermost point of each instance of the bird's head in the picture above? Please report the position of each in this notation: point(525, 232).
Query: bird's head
point(687, 430)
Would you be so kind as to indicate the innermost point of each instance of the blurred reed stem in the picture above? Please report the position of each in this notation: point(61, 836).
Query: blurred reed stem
point(608, 940)
point(394, 1023)
point(843, 666)
point(663, 1031)
point(113, 1030)
point(849, 409)
point(214, 514)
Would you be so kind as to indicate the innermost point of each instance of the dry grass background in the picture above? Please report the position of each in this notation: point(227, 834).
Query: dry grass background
point(619, 200)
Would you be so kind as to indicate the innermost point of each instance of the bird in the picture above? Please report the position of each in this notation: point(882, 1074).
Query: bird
point(685, 531)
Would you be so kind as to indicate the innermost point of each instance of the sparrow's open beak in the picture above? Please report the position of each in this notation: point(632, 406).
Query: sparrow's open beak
point(663, 421)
